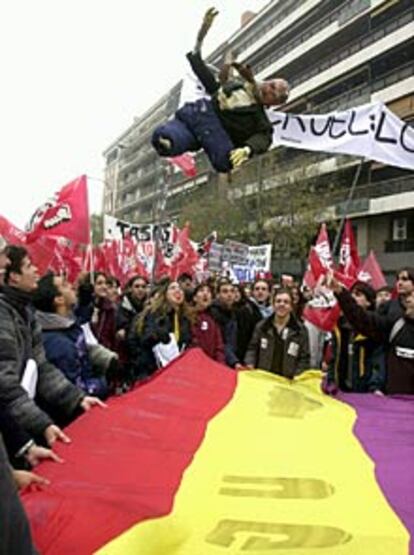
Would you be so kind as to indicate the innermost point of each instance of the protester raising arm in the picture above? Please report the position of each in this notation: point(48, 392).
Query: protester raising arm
point(369, 323)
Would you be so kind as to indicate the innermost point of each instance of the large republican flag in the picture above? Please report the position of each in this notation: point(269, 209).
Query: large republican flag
point(203, 460)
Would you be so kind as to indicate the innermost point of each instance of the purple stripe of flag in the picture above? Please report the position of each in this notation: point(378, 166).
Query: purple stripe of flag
point(385, 428)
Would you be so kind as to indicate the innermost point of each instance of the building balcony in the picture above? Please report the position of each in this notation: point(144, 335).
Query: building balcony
point(399, 246)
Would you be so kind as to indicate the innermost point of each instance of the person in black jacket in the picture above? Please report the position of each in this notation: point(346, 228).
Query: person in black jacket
point(22, 358)
point(166, 315)
point(280, 343)
point(222, 310)
point(232, 126)
point(249, 312)
point(21, 447)
point(398, 336)
point(395, 308)
point(15, 536)
point(357, 362)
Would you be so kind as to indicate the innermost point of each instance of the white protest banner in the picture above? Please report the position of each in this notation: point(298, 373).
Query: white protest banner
point(370, 130)
point(215, 257)
point(259, 261)
point(235, 253)
point(260, 257)
point(115, 229)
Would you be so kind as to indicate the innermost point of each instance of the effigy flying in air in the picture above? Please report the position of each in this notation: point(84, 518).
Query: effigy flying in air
point(230, 124)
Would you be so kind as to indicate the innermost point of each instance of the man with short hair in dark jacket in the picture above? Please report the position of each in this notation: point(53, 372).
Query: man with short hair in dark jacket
point(395, 308)
point(223, 313)
point(280, 343)
point(22, 357)
point(63, 338)
point(250, 313)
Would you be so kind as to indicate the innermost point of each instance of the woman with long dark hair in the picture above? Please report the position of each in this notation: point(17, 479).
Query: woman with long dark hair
point(165, 317)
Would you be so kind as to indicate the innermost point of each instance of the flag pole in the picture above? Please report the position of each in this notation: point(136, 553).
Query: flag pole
point(90, 246)
point(162, 203)
point(347, 204)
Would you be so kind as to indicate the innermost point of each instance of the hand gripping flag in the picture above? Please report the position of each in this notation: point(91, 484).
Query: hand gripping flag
point(66, 214)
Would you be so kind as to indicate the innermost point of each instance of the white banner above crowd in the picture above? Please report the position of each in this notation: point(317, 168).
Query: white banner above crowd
point(370, 130)
point(243, 262)
point(115, 229)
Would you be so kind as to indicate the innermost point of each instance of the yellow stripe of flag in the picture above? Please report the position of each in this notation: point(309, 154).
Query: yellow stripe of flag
point(279, 471)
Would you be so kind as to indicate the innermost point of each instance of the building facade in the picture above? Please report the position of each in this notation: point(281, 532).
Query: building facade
point(336, 54)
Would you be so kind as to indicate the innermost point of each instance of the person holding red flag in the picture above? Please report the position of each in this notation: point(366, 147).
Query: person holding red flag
point(356, 362)
point(397, 335)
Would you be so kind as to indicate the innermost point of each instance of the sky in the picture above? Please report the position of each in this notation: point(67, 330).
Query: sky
point(75, 74)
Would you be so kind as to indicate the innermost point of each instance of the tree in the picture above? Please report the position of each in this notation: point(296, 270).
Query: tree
point(210, 209)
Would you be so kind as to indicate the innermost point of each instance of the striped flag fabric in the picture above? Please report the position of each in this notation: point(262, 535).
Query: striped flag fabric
point(203, 460)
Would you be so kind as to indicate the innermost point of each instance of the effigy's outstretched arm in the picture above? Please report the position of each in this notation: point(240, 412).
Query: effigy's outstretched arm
point(208, 19)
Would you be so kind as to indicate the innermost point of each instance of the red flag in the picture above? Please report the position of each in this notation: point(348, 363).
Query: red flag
point(65, 215)
point(323, 310)
point(131, 264)
point(162, 269)
point(204, 247)
point(186, 163)
point(187, 257)
point(320, 256)
point(71, 260)
point(11, 233)
point(371, 272)
point(42, 253)
point(349, 262)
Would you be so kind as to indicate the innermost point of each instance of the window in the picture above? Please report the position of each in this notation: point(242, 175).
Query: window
point(399, 229)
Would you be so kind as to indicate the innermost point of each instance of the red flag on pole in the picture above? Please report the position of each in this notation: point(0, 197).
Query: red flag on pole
point(371, 272)
point(11, 233)
point(186, 163)
point(323, 310)
point(187, 257)
point(349, 262)
point(65, 215)
point(320, 256)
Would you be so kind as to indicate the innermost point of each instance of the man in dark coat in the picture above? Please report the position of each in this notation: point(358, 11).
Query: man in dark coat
point(398, 336)
point(250, 313)
point(63, 338)
point(280, 343)
point(223, 313)
point(15, 536)
point(26, 377)
point(232, 126)
point(395, 308)
point(357, 363)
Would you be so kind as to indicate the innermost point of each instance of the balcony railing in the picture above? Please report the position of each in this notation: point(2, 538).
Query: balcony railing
point(399, 246)
point(353, 47)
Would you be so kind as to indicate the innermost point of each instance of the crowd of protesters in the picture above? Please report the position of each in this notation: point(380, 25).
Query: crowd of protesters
point(65, 348)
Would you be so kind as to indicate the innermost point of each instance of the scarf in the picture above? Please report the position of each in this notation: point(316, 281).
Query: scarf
point(19, 300)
